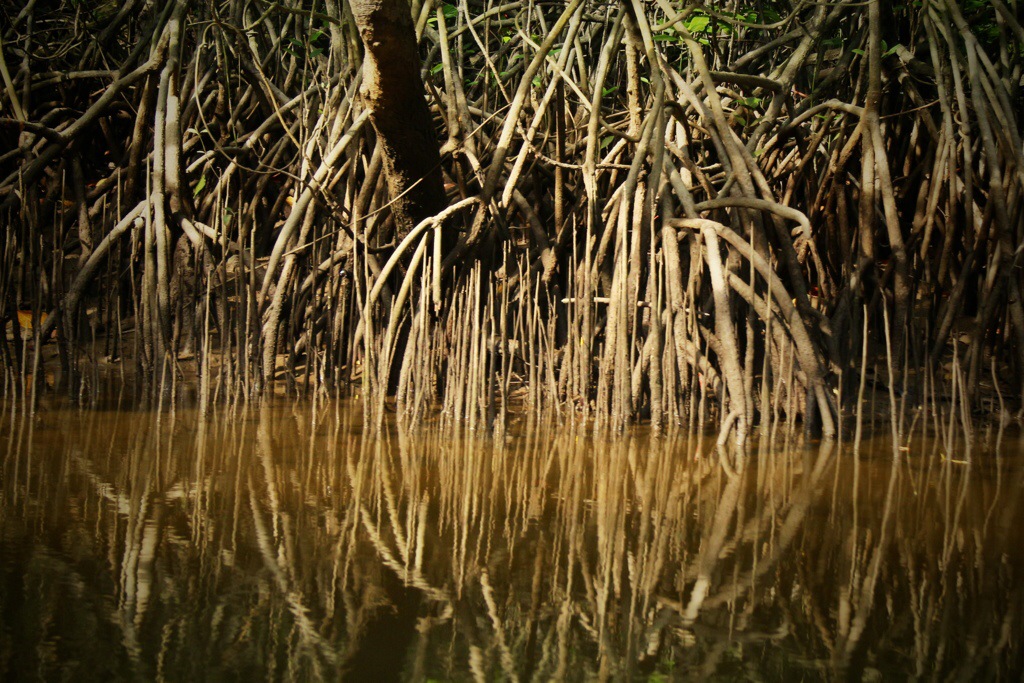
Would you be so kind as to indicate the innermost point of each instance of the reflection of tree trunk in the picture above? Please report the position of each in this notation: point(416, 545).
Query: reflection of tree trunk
point(393, 92)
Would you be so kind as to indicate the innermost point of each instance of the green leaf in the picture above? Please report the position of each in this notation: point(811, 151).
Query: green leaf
point(858, 51)
point(607, 140)
point(436, 68)
point(199, 186)
point(450, 11)
point(698, 24)
point(608, 91)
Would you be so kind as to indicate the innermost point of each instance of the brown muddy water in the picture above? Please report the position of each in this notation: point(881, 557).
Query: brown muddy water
point(278, 542)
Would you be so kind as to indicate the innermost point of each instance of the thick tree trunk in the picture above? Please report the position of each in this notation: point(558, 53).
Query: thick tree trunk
point(394, 94)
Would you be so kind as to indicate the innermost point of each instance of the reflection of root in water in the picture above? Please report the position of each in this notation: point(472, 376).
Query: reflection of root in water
point(542, 555)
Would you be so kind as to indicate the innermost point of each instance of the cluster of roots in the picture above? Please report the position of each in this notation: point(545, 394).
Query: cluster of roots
point(687, 212)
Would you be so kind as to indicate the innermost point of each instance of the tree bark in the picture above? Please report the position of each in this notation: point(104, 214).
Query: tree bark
point(394, 94)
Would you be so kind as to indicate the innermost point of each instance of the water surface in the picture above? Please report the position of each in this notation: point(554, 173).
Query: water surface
point(278, 542)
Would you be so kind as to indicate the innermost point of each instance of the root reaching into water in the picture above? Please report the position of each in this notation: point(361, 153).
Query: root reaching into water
point(694, 217)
